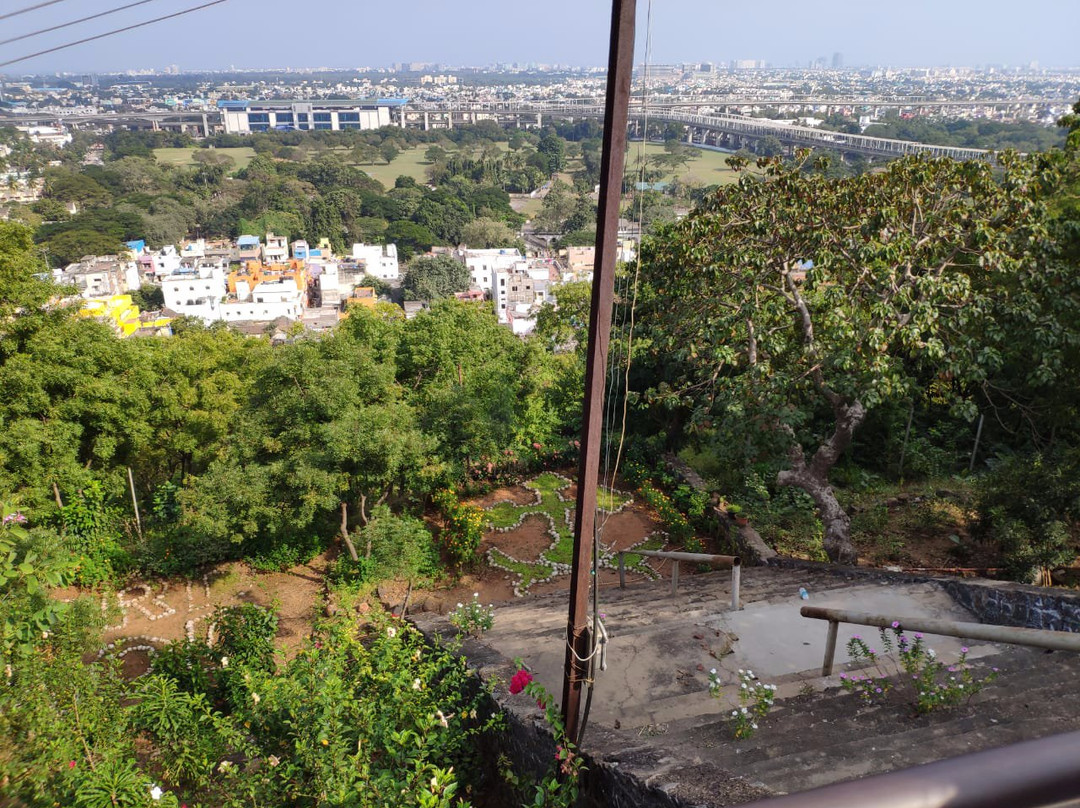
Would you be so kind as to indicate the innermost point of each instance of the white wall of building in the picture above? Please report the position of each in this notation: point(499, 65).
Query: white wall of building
point(268, 301)
point(196, 291)
point(379, 261)
point(483, 264)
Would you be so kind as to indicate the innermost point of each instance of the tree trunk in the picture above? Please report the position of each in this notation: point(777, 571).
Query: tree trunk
point(345, 532)
point(813, 478)
point(364, 522)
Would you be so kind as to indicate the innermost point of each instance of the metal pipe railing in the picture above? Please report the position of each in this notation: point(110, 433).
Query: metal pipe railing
point(1015, 635)
point(718, 561)
point(1031, 774)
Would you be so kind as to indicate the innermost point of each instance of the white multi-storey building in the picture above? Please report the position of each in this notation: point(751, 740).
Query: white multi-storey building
point(243, 117)
point(483, 264)
point(196, 290)
point(267, 300)
point(379, 261)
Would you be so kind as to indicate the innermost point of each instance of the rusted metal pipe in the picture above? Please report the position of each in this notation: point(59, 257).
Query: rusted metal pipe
point(718, 561)
point(1015, 635)
point(1031, 774)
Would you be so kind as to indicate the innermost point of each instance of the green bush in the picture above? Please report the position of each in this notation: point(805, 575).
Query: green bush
point(463, 528)
point(1029, 506)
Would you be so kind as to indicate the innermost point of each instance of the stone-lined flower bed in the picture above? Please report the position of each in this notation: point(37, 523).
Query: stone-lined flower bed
point(555, 560)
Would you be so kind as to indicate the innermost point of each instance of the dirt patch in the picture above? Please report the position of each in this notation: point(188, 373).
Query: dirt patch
point(517, 494)
point(628, 527)
point(152, 613)
point(528, 541)
point(492, 585)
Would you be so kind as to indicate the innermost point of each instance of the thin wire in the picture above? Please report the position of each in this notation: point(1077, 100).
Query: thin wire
point(111, 33)
point(29, 8)
point(74, 22)
point(637, 258)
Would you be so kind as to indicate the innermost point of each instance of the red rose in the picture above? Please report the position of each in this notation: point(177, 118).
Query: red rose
point(521, 678)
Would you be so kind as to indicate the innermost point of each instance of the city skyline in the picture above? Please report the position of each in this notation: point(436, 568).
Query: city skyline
point(785, 33)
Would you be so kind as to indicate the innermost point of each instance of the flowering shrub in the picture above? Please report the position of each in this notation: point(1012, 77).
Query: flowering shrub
point(27, 613)
point(473, 618)
point(559, 788)
point(463, 527)
point(755, 699)
point(931, 685)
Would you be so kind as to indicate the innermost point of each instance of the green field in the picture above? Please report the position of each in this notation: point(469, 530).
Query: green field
point(708, 169)
point(241, 156)
point(410, 163)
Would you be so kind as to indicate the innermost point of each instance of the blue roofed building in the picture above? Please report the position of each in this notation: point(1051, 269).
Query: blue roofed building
point(243, 116)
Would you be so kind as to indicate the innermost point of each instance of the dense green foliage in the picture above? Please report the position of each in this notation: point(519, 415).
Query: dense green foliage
point(361, 716)
point(783, 315)
point(980, 134)
point(237, 448)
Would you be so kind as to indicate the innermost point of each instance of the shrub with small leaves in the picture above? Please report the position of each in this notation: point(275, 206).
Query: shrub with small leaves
point(755, 699)
point(473, 618)
point(930, 684)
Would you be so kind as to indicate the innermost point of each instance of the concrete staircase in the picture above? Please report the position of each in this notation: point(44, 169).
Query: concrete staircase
point(654, 696)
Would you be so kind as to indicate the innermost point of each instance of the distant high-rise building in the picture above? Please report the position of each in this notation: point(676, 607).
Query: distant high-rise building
point(837, 60)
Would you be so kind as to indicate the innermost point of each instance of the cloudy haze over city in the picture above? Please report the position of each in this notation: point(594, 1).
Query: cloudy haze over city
point(783, 33)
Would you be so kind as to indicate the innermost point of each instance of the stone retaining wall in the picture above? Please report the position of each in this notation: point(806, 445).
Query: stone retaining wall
point(999, 602)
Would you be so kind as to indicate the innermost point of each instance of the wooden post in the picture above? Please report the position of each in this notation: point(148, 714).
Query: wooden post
point(617, 103)
point(135, 502)
point(736, 583)
point(830, 648)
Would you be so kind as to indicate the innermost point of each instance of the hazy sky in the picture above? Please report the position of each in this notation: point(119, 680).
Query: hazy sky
point(352, 33)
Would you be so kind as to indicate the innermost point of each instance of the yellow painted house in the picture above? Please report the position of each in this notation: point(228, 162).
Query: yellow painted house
point(121, 313)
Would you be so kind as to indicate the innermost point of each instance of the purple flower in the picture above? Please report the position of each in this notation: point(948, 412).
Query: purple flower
point(877, 690)
point(896, 624)
point(963, 649)
point(856, 637)
point(918, 636)
point(843, 676)
point(17, 517)
point(995, 670)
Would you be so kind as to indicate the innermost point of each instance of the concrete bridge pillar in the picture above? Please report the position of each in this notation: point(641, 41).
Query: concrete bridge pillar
point(539, 121)
point(205, 126)
point(472, 117)
point(427, 121)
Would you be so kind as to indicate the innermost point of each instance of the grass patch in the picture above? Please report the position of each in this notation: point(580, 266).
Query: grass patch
point(708, 169)
point(408, 163)
point(529, 573)
point(241, 155)
point(636, 562)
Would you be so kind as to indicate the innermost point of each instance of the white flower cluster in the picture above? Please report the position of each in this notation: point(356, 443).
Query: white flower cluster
point(473, 617)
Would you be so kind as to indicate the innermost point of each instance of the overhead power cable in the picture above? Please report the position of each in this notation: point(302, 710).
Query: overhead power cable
point(111, 33)
point(75, 22)
point(29, 8)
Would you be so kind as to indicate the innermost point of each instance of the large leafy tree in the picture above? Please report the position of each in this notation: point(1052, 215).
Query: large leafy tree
point(433, 278)
point(791, 306)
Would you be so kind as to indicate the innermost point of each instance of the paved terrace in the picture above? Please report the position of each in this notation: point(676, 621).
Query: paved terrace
point(652, 717)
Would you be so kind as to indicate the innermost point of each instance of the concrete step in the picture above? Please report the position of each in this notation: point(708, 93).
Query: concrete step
point(813, 740)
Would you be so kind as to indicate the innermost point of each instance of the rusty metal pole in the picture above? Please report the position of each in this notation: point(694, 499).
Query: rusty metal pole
point(616, 107)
